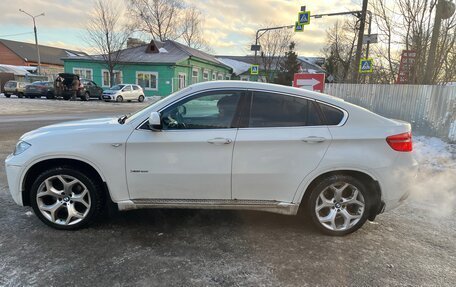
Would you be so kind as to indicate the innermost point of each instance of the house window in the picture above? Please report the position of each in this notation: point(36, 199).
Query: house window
point(205, 76)
point(245, 78)
point(182, 81)
point(219, 77)
point(214, 76)
point(106, 79)
point(195, 76)
point(147, 80)
point(83, 73)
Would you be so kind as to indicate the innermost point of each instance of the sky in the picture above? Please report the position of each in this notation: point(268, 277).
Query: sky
point(229, 26)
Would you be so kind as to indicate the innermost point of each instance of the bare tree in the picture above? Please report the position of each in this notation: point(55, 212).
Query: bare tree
point(274, 44)
point(106, 34)
point(192, 33)
point(340, 49)
point(159, 18)
point(407, 25)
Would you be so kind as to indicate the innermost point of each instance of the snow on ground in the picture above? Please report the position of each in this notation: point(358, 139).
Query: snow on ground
point(434, 189)
point(434, 153)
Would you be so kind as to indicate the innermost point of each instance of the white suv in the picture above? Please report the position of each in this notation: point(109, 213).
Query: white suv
point(220, 145)
point(122, 92)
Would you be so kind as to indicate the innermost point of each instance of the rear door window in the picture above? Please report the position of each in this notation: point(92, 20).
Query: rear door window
point(277, 110)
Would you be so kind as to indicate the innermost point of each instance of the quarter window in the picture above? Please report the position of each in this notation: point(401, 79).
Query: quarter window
point(210, 110)
point(333, 116)
point(275, 110)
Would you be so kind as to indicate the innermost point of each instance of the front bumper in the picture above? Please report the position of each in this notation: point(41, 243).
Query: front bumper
point(13, 175)
point(107, 97)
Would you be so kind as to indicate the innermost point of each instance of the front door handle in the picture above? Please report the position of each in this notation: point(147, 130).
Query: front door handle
point(219, 141)
point(313, 139)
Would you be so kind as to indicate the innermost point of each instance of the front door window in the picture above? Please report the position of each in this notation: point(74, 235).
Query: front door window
point(212, 110)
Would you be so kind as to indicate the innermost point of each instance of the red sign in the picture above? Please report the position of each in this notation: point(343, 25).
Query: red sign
point(406, 66)
point(312, 82)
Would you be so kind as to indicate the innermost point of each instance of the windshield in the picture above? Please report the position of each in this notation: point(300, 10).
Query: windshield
point(117, 87)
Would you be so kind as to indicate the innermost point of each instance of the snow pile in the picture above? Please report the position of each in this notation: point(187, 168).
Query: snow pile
point(163, 50)
point(434, 153)
point(435, 187)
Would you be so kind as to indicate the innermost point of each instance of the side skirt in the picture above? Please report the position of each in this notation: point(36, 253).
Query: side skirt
point(258, 205)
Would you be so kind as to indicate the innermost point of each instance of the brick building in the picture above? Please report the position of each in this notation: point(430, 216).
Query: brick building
point(24, 54)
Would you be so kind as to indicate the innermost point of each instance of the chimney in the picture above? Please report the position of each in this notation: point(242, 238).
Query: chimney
point(134, 42)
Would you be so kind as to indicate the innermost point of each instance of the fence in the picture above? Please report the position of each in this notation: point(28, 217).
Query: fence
point(430, 109)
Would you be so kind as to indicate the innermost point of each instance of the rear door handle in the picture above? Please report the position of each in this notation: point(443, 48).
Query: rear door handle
point(219, 141)
point(313, 139)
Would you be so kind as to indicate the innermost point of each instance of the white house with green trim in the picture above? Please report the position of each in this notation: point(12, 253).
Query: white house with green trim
point(159, 67)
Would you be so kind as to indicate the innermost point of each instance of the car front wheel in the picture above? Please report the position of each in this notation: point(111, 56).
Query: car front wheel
point(338, 205)
point(119, 99)
point(65, 198)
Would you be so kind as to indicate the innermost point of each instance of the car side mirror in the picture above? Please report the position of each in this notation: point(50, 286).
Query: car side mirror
point(155, 121)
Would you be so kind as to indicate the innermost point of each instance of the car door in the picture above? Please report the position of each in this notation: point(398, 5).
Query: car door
point(190, 158)
point(282, 141)
point(126, 92)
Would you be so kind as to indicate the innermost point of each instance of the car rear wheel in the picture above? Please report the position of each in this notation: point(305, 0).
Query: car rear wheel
point(20, 95)
point(7, 95)
point(338, 205)
point(119, 99)
point(141, 99)
point(65, 198)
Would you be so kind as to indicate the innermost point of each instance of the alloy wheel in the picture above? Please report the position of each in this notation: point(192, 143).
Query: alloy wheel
point(339, 206)
point(63, 200)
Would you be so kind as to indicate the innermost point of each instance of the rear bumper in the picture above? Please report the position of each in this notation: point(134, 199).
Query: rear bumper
point(396, 183)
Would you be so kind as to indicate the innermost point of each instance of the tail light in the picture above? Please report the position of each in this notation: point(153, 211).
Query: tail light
point(401, 142)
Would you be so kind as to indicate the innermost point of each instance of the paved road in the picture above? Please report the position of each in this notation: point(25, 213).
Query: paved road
point(408, 246)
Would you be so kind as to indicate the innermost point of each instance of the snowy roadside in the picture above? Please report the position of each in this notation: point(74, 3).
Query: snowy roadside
point(435, 187)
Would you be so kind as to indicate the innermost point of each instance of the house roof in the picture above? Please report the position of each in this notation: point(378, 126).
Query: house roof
point(241, 64)
point(169, 51)
point(48, 55)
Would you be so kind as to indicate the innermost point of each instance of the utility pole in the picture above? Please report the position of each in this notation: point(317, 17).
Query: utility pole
point(36, 38)
point(359, 46)
point(444, 10)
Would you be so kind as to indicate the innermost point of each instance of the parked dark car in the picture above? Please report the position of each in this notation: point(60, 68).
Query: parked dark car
point(87, 88)
point(40, 89)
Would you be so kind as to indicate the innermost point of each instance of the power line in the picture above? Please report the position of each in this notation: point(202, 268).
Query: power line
point(18, 34)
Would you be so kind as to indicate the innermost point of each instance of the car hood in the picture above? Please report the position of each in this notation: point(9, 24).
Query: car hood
point(72, 127)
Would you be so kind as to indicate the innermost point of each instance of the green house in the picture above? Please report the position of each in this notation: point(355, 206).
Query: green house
point(161, 68)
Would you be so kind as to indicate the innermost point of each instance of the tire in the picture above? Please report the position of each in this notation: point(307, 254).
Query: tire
point(339, 205)
point(83, 199)
point(7, 95)
point(20, 95)
point(119, 99)
point(141, 99)
point(86, 96)
point(50, 96)
point(31, 97)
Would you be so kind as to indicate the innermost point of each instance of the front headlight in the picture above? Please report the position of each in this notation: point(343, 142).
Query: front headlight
point(21, 146)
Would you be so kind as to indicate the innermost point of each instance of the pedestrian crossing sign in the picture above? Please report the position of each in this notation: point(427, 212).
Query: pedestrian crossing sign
point(299, 27)
point(304, 18)
point(254, 69)
point(366, 66)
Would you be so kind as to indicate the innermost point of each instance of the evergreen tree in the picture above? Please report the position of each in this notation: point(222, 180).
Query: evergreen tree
point(288, 67)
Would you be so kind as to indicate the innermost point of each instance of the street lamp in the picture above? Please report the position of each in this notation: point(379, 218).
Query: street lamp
point(36, 38)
